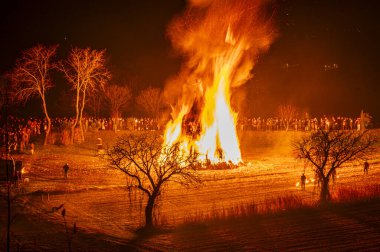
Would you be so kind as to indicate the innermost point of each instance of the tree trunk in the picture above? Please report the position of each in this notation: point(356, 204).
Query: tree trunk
point(149, 212)
point(81, 115)
point(48, 128)
point(81, 130)
point(76, 117)
point(325, 192)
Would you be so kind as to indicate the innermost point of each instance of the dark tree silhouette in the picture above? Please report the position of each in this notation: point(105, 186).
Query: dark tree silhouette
point(149, 100)
point(326, 151)
point(151, 165)
point(287, 113)
point(118, 97)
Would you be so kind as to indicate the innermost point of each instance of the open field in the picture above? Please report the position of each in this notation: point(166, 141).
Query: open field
point(107, 213)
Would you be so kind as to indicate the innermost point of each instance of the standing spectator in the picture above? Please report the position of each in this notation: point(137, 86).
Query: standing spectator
point(32, 148)
point(366, 167)
point(303, 181)
point(65, 170)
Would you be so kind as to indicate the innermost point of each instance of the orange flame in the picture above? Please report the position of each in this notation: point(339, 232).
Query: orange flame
point(220, 43)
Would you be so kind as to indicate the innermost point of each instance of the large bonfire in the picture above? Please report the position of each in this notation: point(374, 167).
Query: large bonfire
point(220, 41)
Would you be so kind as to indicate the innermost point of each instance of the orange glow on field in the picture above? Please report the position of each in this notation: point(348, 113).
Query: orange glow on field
point(221, 46)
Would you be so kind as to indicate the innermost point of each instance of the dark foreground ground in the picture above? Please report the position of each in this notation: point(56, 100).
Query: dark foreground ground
point(340, 227)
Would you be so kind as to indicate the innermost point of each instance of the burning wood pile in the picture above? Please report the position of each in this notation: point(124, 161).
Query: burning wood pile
point(220, 41)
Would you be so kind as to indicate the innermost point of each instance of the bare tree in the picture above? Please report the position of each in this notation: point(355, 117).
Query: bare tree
point(150, 101)
point(287, 113)
point(30, 77)
point(151, 165)
point(95, 103)
point(85, 70)
point(327, 151)
point(119, 97)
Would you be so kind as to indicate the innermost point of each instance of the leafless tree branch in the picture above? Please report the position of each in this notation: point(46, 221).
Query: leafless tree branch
point(30, 77)
point(327, 151)
point(145, 159)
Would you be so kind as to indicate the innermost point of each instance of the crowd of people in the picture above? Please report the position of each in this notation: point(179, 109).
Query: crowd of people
point(114, 124)
point(302, 124)
point(16, 132)
point(93, 123)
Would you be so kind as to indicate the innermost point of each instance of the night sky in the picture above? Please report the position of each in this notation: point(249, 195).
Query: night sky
point(325, 60)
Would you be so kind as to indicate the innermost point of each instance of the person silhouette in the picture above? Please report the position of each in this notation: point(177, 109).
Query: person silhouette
point(303, 181)
point(366, 167)
point(65, 170)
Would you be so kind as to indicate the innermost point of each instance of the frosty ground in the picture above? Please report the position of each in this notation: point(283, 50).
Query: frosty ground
point(108, 214)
